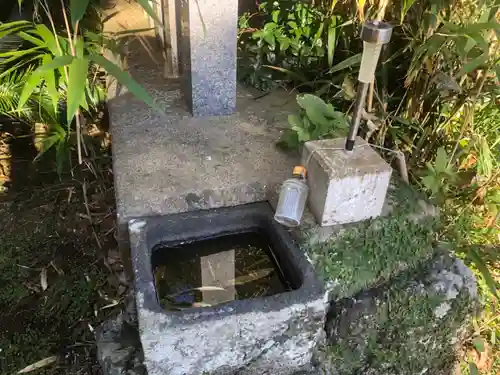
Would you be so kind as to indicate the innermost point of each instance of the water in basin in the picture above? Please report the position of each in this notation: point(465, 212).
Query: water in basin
point(213, 271)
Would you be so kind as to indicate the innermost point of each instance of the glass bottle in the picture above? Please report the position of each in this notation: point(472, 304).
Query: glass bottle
point(292, 200)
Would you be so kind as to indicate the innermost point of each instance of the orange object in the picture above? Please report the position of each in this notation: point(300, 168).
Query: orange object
point(299, 170)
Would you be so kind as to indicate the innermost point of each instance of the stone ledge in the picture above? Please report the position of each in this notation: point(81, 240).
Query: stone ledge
point(358, 256)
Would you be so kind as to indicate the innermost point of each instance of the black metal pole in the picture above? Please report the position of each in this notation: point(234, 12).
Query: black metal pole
point(356, 115)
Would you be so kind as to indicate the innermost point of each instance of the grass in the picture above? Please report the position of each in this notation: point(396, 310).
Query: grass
point(55, 283)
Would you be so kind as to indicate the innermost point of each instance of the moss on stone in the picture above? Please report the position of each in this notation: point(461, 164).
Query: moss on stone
point(402, 327)
point(367, 254)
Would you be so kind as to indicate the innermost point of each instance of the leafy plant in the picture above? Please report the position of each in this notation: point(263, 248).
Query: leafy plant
point(36, 108)
point(65, 65)
point(316, 120)
point(439, 176)
point(296, 40)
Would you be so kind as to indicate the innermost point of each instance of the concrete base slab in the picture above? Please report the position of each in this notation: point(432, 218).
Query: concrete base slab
point(172, 163)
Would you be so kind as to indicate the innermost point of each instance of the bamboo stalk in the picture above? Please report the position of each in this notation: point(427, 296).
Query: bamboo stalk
point(72, 42)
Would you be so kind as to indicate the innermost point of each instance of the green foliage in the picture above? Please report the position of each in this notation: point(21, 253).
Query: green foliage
point(63, 64)
point(297, 40)
point(440, 175)
point(436, 99)
point(317, 120)
point(35, 108)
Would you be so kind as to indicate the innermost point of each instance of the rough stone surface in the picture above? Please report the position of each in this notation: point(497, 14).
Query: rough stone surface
point(118, 347)
point(410, 326)
point(177, 163)
point(208, 55)
point(345, 187)
point(275, 334)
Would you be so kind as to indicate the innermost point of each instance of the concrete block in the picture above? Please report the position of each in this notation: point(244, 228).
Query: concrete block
point(275, 334)
point(345, 187)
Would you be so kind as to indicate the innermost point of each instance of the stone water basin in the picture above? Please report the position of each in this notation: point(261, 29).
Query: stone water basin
point(223, 291)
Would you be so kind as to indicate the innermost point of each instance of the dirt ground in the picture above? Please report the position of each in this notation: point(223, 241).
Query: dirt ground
point(60, 272)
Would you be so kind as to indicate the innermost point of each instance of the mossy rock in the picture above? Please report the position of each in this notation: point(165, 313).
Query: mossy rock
point(410, 326)
point(358, 256)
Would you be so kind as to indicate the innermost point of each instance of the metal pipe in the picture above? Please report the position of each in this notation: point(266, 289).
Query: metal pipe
point(356, 115)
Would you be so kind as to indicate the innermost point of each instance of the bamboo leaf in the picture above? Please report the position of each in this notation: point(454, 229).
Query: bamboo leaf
point(9, 28)
point(43, 32)
point(30, 85)
point(61, 156)
point(294, 75)
point(361, 9)
point(42, 363)
point(478, 27)
point(76, 86)
point(43, 279)
point(84, 103)
point(50, 83)
point(483, 269)
point(331, 41)
point(17, 54)
point(479, 40)
point(48, 143)
point(125, 79)
point(77, 10)
point(473, 65)
point(123, 33)
point(347, 63)
point(407, 4)
point(252, 276)
point(478, 343)
point(56, 63)
point(473, 370)
point(79, 47)
point(199, 289)
point(31, 39)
